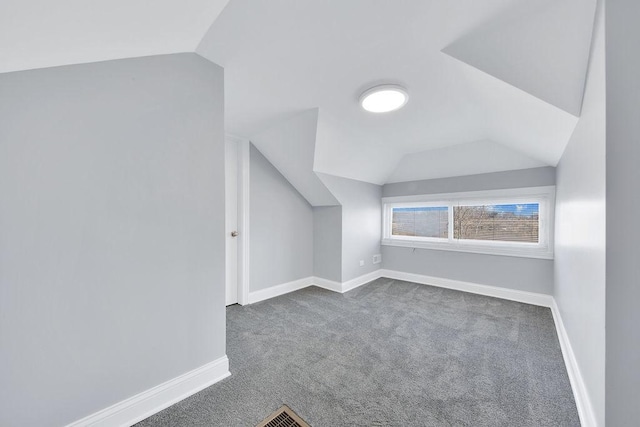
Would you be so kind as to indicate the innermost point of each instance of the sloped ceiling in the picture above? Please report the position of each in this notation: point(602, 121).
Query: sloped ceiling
point(289, 145)
point(511, 75)
point(459, 160)
point(541, 47)
point(44, 33)
point(287, 56)
point(346, 152)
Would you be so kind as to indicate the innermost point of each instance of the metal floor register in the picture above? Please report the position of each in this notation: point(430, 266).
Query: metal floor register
point(283, 417)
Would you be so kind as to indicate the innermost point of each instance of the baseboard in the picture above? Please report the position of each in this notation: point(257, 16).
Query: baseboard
point(583, 402)
point(474, 288)
point(285, 288)
point(348, 285)
point(327, 284)
point(276, 291)
point(149, 402)
point(361, 280)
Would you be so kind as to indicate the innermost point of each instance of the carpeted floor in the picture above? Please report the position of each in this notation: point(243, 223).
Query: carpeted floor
point(385, 354)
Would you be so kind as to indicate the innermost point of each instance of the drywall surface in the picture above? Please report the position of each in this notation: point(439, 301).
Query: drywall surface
point(327, 242)
point(460, 160)
point(525, 274)
point(487, 181)
point(542, 49)
point(289, 145)
point(580, 241)
point(361, 223)
point(281, 239)
point(111, 225)
point(623, 204)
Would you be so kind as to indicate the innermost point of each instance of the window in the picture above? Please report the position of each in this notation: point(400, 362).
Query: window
point(421, 221)
point(504, 223)
point(514, 222)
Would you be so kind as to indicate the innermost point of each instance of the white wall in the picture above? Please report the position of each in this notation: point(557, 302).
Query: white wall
point(525, 274)
point(361, 223)
point(281, 239)
point(111, 232)
point(623, 205)
point(580, 240)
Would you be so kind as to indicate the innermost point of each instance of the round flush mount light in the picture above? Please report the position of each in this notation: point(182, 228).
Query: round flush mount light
point(384, 98)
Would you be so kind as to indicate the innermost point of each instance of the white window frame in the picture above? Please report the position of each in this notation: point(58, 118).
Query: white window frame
point(543, 196)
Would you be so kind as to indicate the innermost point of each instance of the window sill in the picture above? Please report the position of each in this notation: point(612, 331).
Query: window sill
point(539, 253)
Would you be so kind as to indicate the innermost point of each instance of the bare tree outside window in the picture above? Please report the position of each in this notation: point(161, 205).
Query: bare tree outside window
point(508, 223)
point(516, 222)
point(494, 222)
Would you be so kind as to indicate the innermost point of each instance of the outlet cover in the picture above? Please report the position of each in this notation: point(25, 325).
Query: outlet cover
point(361, 263)
point(377, 258)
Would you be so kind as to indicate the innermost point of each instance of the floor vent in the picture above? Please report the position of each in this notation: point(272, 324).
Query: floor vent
point(283, 417)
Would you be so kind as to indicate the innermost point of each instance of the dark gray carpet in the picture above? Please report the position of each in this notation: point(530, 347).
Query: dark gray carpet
point(387, 353)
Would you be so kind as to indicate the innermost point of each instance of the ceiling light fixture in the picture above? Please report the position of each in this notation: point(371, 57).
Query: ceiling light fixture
point(384, 98)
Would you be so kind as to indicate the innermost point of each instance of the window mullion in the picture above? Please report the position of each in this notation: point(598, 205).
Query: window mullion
point(450, 230)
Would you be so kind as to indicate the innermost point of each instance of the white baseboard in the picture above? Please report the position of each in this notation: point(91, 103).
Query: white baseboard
point(285, 288)
point(474, 288)
point(276, 291)
point(348, 285)
point(583, 402)
point(327, 284)
point(361, 280)
point(149, 402)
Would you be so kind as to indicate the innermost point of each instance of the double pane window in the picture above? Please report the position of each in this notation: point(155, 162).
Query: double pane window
point(505, 224)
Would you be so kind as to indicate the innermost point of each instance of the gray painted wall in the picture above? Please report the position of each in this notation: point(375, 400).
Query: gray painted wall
point(327, 242)
point(580, 239)
point(486, 181)
point(281, 237)
point(623, 203)
point(111, 225)
point(361, 223)
point(525, 274)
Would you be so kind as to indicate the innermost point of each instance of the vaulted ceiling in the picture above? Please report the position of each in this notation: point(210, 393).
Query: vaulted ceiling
point(45, 33)
point(493, 84)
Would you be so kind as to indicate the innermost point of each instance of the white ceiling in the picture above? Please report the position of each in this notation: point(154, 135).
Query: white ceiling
point(541, 48)
point(283, 57)
point(290, 147)
point(461, 159)
point(511, 76)
point(46, 33)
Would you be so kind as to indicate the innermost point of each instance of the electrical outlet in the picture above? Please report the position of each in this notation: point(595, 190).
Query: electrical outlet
point(361, 263)
point(377, 258)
